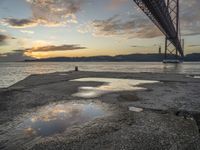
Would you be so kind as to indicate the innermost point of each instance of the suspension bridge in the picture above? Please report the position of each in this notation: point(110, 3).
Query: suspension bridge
point(165, 15)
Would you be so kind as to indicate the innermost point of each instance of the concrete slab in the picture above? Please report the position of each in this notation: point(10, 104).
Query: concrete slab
point(170, 118)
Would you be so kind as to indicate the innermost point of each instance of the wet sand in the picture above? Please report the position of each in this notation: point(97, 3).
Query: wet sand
point(157, 115)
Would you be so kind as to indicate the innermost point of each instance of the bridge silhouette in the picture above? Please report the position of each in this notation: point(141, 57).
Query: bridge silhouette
point(165, 15)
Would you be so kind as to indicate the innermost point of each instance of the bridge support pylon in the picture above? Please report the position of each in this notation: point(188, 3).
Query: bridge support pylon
point(170, 48)
point(165, 15)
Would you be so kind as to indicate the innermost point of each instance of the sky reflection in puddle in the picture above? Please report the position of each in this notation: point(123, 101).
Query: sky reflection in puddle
point(197, 77)
point(110, 85)
point(49, 120)
point(193, 76)
point(53, 119)
point(56, 118)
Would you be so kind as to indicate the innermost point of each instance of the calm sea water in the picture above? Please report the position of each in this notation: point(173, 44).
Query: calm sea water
point(12, 72)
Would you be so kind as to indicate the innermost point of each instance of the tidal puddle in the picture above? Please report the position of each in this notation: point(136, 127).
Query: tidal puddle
point(110, 85)
point(197, 77)
point(56, 118)
point(48, 121)
point(193, 76)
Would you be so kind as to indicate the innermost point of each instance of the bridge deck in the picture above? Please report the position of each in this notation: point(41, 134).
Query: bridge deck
point(158, 12)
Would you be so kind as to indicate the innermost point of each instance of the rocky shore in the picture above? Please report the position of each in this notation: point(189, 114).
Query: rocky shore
point(161, 115)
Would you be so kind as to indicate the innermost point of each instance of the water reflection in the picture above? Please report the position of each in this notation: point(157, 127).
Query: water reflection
point(172, 68)
point(56, 118)
point(48, 121)
point(193, 76)
point(197, 77)
point(110, 85)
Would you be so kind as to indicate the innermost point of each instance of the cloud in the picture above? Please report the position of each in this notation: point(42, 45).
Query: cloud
point(196, 45)
point(51, 13)
point(117, 3)
point(138, 46)
point(51, 48)
point(134, 46)
point(16, 55)
point(2, 31)
point(189, 17)
point(55, 12)
point(27, 31)
point(4, 38)
point(21, 55)
point(137, 26)
point(133, 27)
point(27, 23)
point(19, 23)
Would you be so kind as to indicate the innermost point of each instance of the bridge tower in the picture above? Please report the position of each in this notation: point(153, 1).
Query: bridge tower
point(173, 9)
point(165, 15)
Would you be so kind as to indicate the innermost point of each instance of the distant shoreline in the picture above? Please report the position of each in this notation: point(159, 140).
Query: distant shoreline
point(101, 61)
point(119, 58)
point(152, 57)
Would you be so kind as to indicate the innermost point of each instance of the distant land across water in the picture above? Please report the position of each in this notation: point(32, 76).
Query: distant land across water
point(118, 58)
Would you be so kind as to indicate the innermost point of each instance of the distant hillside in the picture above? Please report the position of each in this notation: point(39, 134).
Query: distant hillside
point(192, 57)
point(122, 58)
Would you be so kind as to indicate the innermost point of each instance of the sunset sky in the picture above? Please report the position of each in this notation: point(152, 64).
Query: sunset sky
point(54, 28)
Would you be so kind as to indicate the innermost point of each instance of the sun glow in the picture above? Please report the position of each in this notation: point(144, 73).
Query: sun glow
point(75, 53)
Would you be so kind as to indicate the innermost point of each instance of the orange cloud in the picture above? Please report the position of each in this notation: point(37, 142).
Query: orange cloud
point(51, 48)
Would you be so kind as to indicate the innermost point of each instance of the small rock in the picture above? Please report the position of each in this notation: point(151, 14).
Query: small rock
point(135, 109)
